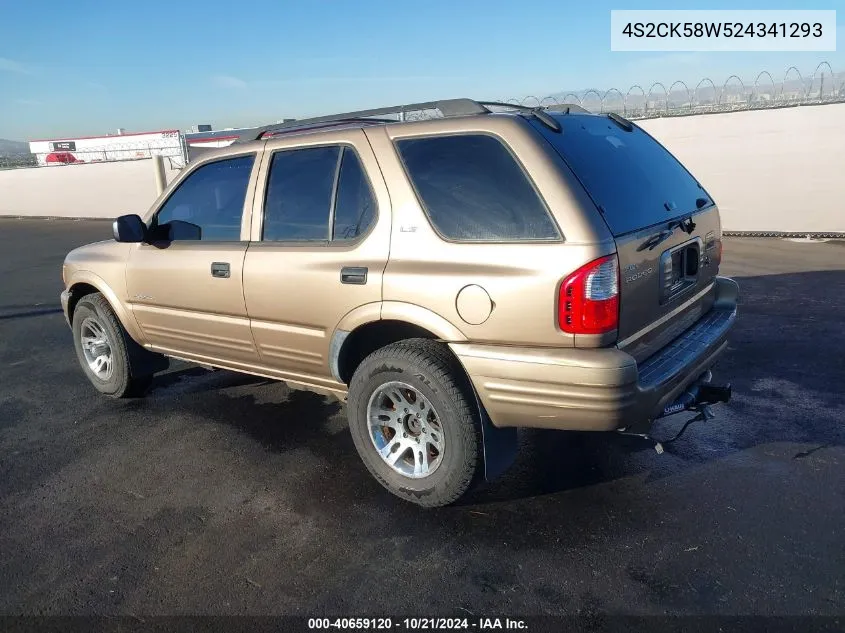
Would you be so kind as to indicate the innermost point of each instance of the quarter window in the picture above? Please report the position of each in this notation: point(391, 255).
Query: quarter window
point(473, 189)
point(209, 204)
point(354, 207)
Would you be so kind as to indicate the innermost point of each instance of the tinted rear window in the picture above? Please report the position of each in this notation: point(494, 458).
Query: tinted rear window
point(299, 194)
point(473, 189)
point(628, 174)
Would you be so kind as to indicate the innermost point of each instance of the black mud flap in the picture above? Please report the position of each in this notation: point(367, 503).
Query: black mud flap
point(500, 445)
point(143, 362)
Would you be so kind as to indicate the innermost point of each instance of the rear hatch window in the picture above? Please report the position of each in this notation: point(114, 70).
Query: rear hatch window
point(639, 188)
point(633, 179)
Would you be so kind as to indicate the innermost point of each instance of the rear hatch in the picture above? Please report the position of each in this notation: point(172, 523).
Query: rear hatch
point(666, 226)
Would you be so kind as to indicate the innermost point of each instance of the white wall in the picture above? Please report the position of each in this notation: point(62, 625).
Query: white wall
point(768, 170)
point(95, 190)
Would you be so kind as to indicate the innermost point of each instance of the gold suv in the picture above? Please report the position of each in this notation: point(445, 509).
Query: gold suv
point(451, 279)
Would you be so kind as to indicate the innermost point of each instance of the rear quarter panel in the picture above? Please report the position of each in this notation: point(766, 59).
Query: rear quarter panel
point(521, 279)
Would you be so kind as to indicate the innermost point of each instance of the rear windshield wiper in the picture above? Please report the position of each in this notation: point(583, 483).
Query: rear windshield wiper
point(686, 224)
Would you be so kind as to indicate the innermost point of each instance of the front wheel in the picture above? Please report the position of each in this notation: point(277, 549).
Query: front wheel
point(414, 422)
point(111, 360)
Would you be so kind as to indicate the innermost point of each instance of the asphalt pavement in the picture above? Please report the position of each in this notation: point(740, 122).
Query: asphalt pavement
point(225, 494)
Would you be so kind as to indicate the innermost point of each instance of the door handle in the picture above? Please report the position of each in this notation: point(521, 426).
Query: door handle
point(220, 269)
point(353, 275)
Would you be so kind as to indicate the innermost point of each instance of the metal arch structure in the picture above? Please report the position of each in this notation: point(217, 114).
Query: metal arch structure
point(725, 85)
point(755, 93)
point(628, 94)
point(785, 75)
point(813, 80)
point(526, 99)
point(587, 92)
point(665, 92)
point(695, 92)
point(621, 96)
point(686, 87)
point(750, 95)
point(572, 94)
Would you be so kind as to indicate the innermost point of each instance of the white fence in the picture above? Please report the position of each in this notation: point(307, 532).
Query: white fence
point(83, 190)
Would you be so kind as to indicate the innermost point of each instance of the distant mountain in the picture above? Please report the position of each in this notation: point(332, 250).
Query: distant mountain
point(11, 148)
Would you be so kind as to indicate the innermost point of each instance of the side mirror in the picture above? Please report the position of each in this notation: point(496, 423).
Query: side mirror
point(129, 228)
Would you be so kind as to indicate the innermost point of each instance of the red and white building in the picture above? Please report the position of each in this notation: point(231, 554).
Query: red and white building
point(120, 146)
point(176, 146)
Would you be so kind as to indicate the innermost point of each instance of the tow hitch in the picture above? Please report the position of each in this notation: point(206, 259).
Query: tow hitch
point(698, 398)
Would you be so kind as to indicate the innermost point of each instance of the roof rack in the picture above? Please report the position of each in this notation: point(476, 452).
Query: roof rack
point(305, 126)
point(447, 107)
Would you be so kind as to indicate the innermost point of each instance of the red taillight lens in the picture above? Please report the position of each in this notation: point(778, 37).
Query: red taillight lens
point(589, 298)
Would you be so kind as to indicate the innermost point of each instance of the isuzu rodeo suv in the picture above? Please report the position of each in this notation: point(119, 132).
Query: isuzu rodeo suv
point(451, 279)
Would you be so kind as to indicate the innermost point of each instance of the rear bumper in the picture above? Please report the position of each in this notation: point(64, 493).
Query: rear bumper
point(595, 389)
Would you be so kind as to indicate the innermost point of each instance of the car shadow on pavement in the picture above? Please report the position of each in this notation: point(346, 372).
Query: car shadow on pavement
point(32, 312)
point(194, 379)
point(278, 417)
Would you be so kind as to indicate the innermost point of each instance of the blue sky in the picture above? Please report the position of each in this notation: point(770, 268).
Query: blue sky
point(88, 67)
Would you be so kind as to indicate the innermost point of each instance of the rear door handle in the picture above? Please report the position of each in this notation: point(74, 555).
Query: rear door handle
point(353, 275)
point(220, 269)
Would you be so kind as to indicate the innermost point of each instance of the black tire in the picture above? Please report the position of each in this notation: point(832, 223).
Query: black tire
point(428, 367)
point(132, 366)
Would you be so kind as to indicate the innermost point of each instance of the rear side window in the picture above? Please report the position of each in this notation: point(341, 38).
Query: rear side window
point(317, 194)
point(473, 189)
point(634, 180)
point(299, 194)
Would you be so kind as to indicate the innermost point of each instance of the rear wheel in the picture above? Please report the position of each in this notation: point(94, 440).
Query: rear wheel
point(414, 423)
point(115, 364)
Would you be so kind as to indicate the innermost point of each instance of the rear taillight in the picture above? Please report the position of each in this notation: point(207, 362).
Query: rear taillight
point(589, 298)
